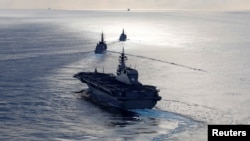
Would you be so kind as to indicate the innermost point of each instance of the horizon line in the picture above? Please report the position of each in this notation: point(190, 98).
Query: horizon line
point(135, 9)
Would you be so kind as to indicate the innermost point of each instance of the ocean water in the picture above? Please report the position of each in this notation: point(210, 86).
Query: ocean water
point(199, 60)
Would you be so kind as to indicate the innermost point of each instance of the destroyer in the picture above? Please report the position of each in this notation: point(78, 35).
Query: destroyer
point(122, 90)
point(123, 36)
point(101, 47)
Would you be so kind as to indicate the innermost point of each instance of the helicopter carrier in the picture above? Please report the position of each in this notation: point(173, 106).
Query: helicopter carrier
point(122, 90)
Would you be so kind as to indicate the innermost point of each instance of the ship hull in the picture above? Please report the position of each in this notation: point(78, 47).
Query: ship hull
point(107, 90)
point(101, 48)
point(100, 51)
point(123, 38)
point(124, 103)
point(104, 98)
point(121, 103)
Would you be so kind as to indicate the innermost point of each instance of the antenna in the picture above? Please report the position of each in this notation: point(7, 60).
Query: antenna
point(102, 38)
point(95, 70)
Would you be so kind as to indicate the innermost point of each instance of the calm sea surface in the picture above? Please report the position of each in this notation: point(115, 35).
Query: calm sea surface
point(198, 60)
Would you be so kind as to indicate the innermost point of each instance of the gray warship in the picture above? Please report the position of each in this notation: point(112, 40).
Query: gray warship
point(101, 47)
point(123, 36)
point(122, 90)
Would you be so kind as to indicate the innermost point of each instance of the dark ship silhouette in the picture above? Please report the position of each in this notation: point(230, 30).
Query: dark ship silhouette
point(123, 36)
point(122, 90)
point(101, 47)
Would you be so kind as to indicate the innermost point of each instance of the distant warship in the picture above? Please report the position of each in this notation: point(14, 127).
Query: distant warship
point(122, 90)
point(101, 47)
point(123, 36)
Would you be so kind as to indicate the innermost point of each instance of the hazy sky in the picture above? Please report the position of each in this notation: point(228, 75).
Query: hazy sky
point(123, 4)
